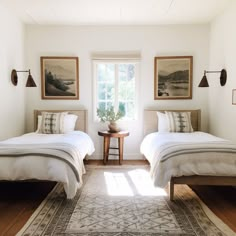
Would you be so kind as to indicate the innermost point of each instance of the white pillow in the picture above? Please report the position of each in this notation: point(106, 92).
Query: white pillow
point(39, 123)
point(163, 125)
point(69, 123)
point(179, 122)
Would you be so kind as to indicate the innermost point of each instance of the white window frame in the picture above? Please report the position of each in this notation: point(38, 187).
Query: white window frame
point(116, 61)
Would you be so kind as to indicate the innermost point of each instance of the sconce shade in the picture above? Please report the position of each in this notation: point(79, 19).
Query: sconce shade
point(204, 82)
point(30, 81)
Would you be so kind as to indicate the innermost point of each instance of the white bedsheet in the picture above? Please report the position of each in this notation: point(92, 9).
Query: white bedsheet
point(46, 168)
point(210, 163)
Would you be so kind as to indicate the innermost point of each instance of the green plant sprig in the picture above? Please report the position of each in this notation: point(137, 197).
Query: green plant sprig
point(109, 114)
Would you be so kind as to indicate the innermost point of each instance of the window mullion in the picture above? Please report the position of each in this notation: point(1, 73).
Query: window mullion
point(106, 89)
point(116, 105)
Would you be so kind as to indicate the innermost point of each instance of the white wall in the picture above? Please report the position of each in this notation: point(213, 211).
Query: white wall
point(149, 41)
point(12, 103)
point(222, 114)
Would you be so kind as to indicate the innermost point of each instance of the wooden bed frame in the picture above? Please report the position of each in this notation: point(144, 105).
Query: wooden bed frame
point(151, 124)
point(81, 123)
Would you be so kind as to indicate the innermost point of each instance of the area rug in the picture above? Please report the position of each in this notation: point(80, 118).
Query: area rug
point(122, 201)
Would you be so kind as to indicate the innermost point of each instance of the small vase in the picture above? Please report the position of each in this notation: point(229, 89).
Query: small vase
point(113, 127)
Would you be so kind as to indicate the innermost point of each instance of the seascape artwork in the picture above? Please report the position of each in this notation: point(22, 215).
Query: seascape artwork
point(60, 78)
point(172, 78)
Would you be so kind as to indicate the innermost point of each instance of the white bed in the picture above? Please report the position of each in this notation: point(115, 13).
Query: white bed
point(187, 158)
point(52, 157)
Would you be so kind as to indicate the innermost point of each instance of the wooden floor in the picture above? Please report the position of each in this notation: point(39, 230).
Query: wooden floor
point(18, 200)
point(221, 200)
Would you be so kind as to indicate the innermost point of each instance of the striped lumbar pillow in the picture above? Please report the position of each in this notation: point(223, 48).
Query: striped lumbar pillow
point(52, 123)
point(179, 122)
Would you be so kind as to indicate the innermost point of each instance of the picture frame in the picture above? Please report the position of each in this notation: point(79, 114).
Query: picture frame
point(234, 97)
point(59, 77)
point(173, 77)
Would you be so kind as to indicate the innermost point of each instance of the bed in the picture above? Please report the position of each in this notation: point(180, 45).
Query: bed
point(194, 158)
point(42, 155)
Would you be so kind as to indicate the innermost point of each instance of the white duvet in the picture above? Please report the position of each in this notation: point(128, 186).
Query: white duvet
point(47, 168)
point(211, 163)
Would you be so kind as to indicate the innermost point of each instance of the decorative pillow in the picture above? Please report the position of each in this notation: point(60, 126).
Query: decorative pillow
point(52, 123)
point(179, 121)
point(39, 123)
point(163, 125)
point(69, 122)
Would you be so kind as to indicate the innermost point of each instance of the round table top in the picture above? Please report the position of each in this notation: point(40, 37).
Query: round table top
point(119, 134)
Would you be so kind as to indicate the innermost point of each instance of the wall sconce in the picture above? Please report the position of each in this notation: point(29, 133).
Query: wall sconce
point(223, 78)
point(30, 81)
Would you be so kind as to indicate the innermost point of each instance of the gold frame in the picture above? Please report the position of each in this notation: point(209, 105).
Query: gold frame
point(65, 70)
point(171, 68)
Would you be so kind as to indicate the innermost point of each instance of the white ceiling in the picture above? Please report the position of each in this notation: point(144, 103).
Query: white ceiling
point(115, 12)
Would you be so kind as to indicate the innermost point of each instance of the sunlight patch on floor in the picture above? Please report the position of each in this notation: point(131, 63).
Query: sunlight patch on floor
point(117, 184)
point(144, 185)
point(134, 181)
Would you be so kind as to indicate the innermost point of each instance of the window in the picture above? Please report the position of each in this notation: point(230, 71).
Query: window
point(116, 85)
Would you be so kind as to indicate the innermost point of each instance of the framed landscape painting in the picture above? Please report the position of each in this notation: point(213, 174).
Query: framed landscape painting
point(173, 77)
point(60, 77)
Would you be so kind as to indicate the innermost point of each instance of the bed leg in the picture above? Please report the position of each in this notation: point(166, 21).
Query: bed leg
point(171, 190)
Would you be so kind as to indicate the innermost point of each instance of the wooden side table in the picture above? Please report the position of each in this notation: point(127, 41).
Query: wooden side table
point(106, 144)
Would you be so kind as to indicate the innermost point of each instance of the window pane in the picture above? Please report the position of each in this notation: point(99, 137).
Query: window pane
point(110, 91)
point(126, 72)
point(106, 72)
point(122, 107)
point(129, 110)
point(131, 72)
point(105, 91)
point(105, 105)
point(109, 104)
point(101, 91)
point(101, 105)
point(122, 72)
point(127, 90)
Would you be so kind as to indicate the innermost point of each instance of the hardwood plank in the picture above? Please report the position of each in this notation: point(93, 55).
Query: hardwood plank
point(21, 219)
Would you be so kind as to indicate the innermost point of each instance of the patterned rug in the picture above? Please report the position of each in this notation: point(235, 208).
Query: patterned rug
point(117, 201)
